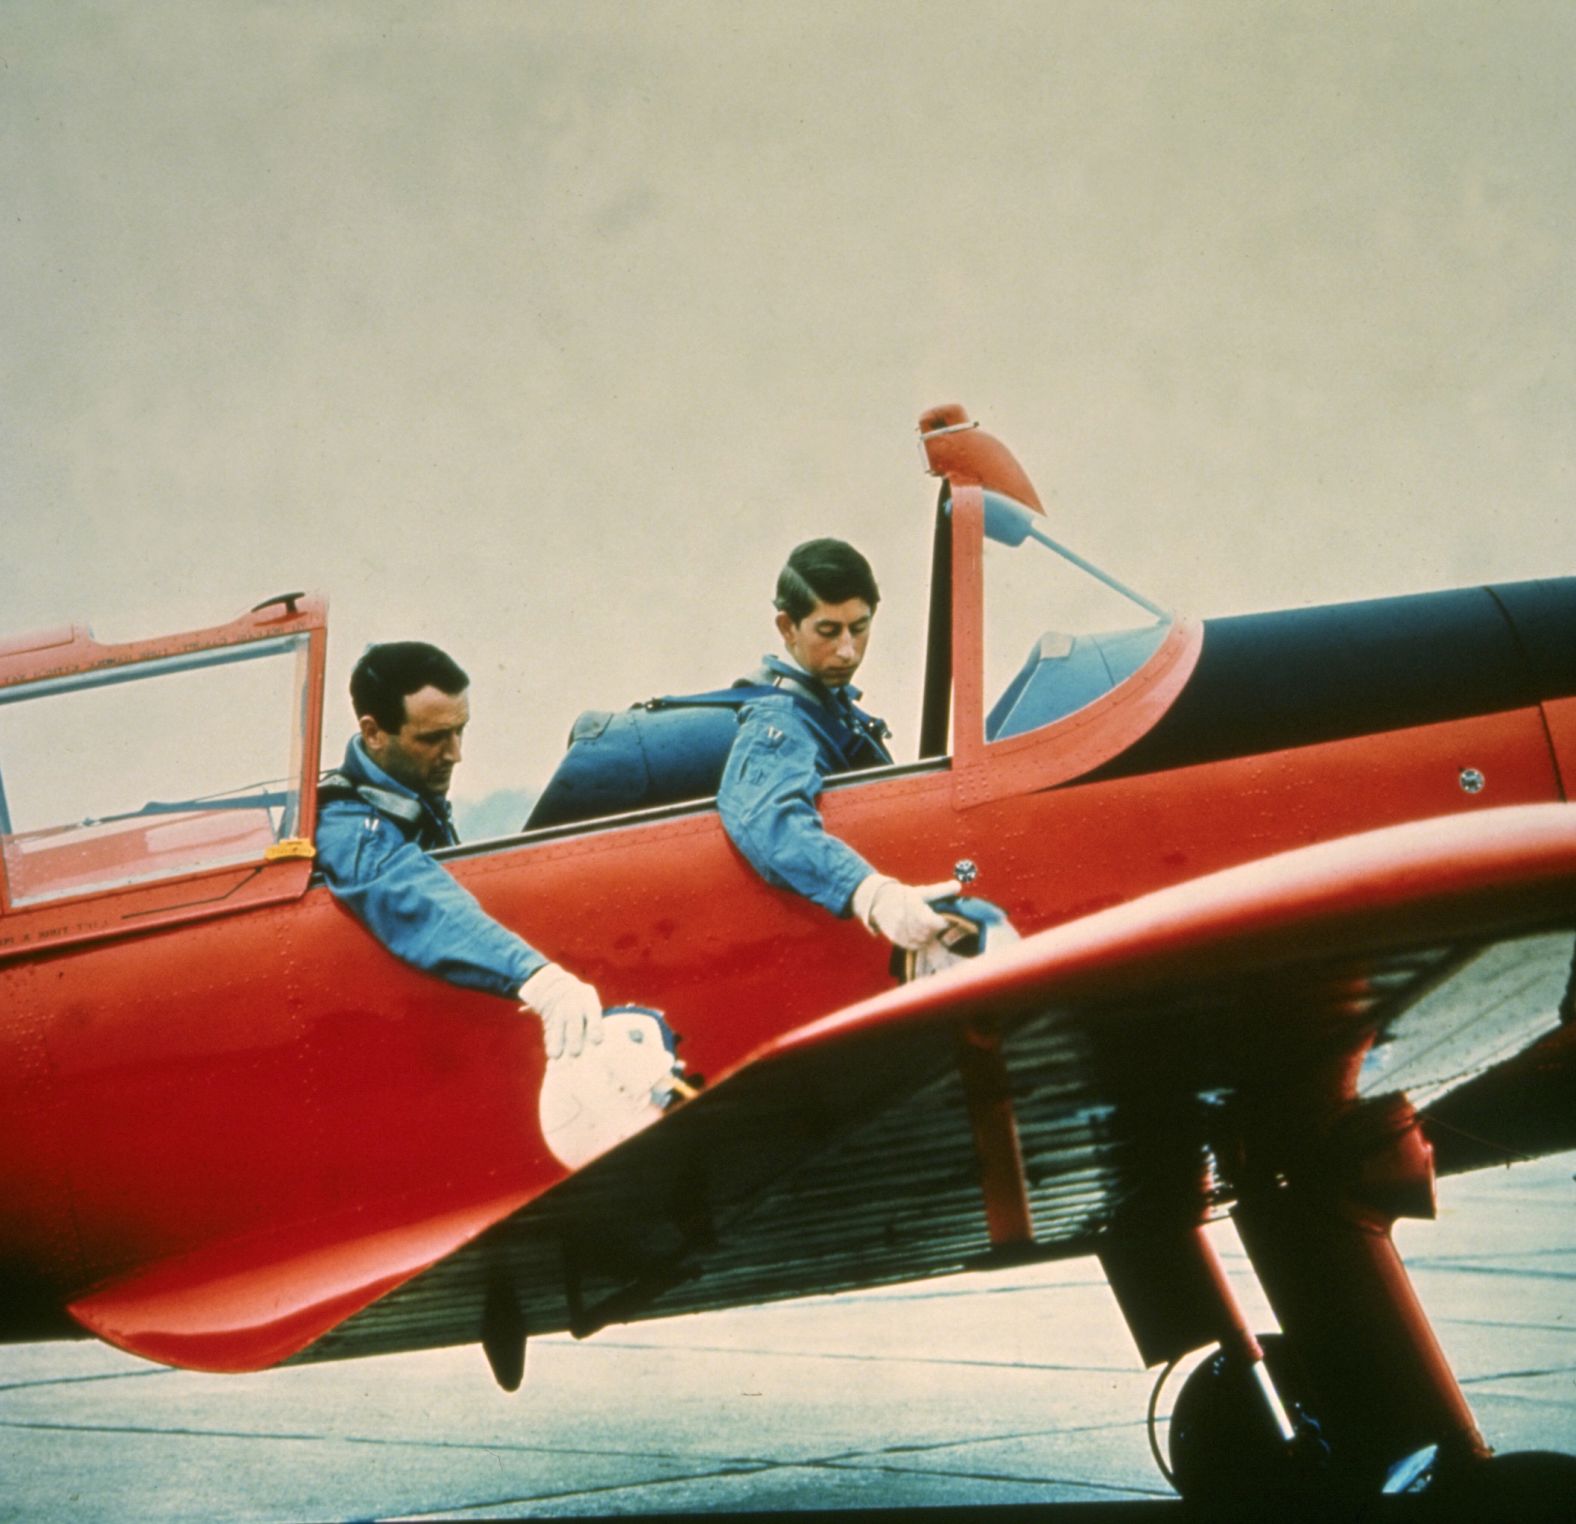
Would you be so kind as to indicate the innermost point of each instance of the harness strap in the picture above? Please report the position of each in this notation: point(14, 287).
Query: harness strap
point(400, 807)
point(868, 733)
point(803, 687)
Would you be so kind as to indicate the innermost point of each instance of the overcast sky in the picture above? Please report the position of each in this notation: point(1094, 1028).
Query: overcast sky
point(544, 330)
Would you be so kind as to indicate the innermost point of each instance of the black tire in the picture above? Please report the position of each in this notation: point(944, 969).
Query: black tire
point(1228, 1454)
point(1529, 1486)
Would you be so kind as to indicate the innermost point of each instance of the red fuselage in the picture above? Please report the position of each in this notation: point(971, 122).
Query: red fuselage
point(237, 1069)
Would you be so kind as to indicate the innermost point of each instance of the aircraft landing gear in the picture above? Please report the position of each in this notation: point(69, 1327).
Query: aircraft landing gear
point(1241, 1437)
point(1229, 1452)
point(1530, 1486)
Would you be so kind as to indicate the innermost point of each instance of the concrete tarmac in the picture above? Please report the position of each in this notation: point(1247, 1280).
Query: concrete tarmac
point(1021, 1388)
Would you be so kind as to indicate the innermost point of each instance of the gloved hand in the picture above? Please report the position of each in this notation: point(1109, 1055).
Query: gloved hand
point(901, 912)
point(571, 1010)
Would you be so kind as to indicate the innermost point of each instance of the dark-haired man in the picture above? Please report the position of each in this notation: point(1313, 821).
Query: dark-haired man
point(387, 808)
point(788, 745)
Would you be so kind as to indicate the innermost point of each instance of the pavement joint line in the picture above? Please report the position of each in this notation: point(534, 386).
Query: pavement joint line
point(766, 1467)
point(1461, 1267)
point(539, 1498)
point(1562, 1404)
point(873, 1457)
point(996, 1476)
point(738, 1466)
point(20, 1386)
point(483, 1446)
point(996, 1439)
point(882, 1358)
point(1459, 1322)
point(1548, 1370)
point(1558, 1370)
point(744, 1463)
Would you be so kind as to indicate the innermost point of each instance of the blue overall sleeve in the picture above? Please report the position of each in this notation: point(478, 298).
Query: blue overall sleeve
point(767, 803)
point(414, 907)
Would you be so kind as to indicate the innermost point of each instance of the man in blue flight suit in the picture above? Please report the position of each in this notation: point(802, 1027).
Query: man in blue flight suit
point(789, 744)
point(387, 808)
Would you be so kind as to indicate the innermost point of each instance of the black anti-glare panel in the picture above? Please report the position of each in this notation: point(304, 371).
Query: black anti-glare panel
point(1298, 677)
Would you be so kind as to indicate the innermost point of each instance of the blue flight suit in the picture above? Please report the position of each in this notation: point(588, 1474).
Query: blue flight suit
point(372, 852)
point(786, 748)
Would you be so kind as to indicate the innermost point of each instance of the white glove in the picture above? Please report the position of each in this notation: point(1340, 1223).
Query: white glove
point(901, 912)
point(571, 1010)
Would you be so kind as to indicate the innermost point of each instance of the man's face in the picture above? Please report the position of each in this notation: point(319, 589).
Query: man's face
point(829, 642)
point(423, 752)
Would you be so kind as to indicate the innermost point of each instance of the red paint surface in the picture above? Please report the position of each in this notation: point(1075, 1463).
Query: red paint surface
point(229, 1118)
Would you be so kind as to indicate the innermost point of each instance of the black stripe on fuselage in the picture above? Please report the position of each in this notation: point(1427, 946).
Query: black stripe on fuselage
point(1297, 677)
point(1544, 616)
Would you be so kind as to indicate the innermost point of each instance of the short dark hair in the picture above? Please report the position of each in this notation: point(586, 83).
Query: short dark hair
point(387, 673)
point(824, 571)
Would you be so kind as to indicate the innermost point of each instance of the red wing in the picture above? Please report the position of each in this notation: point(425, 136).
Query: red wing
point(249, 1304)
point(844, 1154)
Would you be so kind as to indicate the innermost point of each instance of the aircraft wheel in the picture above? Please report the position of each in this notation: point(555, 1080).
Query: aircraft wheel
point(1530, 1486)
point(1227, 1452)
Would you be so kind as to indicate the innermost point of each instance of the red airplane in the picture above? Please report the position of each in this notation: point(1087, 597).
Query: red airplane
point(1295, 895)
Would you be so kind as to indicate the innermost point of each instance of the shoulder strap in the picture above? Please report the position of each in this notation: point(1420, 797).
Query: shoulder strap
point(400, 807)
point(737, 697)
point(860, 747)
point(845, 745)
point(717, 698)
point(858, 737)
